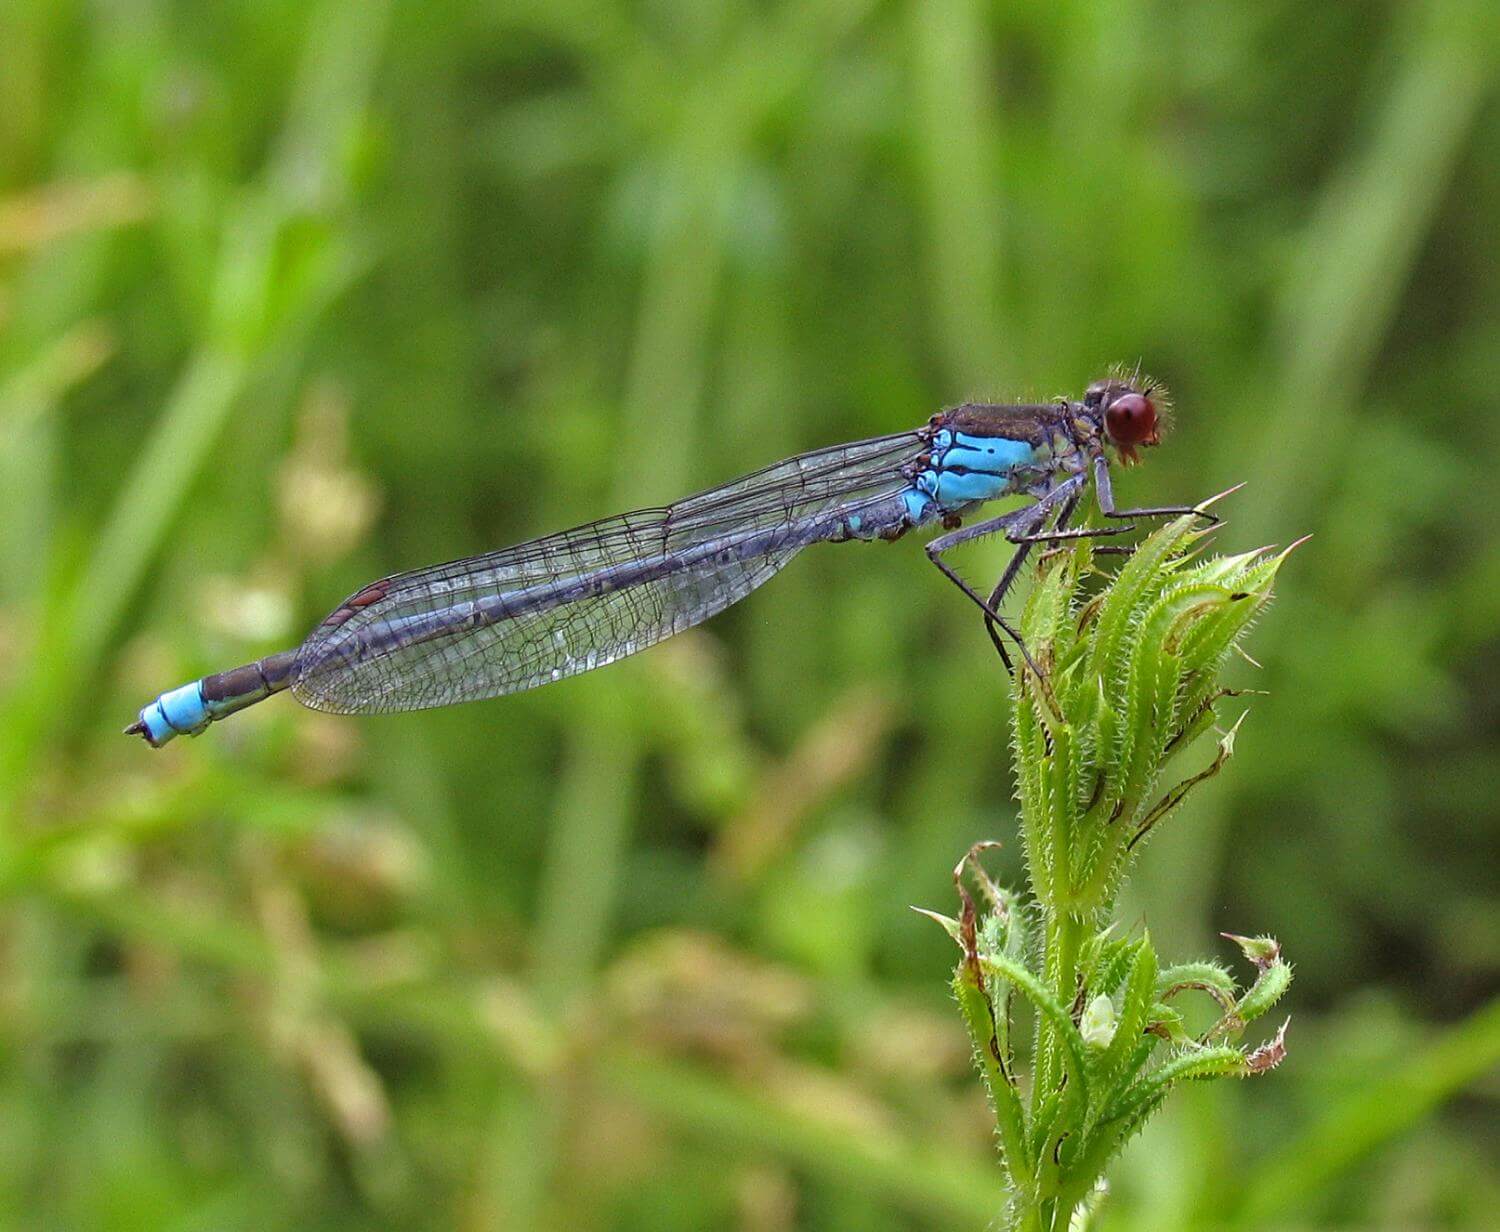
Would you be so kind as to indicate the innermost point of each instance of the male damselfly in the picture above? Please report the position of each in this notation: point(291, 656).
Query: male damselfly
point(573, 601)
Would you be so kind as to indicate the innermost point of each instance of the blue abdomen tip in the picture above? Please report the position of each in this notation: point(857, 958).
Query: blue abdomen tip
point(180, 712)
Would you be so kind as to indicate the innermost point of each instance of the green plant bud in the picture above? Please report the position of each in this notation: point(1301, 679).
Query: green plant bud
point(1262, 951)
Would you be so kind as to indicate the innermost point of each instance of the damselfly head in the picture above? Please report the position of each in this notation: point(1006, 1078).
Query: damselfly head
point(1132, 410)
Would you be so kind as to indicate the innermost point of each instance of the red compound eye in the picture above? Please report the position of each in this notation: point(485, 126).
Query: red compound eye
point(1131, 420)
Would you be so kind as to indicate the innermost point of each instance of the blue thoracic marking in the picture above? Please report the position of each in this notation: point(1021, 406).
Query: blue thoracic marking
point(181, 710)
point(917, 505)
point(965, 469)
point(986, 453)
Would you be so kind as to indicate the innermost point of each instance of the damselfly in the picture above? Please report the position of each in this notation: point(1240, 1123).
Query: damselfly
point(570, 602)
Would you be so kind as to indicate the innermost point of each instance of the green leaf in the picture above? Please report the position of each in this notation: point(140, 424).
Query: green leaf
point(1052, 1009)
point(1268, 989)
point(994, 1066)
point(1109, 963)
point(1135, 1012)
point(1207, 975)
point(948, 923)
point(1166, 1023)
point(1011, 941)
point(1218, 1061)
point(1066, 812)
point(1152, 683)
point(1204, 646)
point(1141, 577)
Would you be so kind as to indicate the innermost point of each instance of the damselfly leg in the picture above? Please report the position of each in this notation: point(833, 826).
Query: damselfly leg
point(1106, 493)
point(1019, 527)
point(992, 618)
point(1059, 532)
point(1013, 571)
point(1028, 526)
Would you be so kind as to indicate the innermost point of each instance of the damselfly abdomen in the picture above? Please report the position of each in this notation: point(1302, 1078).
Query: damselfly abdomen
point(573, 601)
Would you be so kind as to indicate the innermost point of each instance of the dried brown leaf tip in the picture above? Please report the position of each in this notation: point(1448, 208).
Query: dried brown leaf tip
point(968, 931)
point(994, 900)
point(1270, 1054)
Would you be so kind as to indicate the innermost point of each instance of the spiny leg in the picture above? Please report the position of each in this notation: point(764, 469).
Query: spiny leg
point(1012, 571)
point(1029, 516)
point(1017, 525)
point(1059, 532)
point(1023, 544)
point(1105, 491)
point(1068, 494)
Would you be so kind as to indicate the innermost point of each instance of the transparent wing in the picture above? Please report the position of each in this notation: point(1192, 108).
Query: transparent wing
point(573, 601)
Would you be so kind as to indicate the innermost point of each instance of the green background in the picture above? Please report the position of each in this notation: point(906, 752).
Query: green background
point(293, 295)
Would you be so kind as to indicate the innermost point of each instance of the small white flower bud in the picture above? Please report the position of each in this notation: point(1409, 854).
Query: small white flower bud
point(1098, 1025)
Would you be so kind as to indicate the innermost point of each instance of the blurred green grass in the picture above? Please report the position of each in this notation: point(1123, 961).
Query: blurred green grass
point(293, 295)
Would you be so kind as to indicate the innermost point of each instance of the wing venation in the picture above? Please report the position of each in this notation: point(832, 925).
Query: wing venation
point(572, 601)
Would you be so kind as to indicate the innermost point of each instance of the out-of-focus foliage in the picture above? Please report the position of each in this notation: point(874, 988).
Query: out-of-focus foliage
point(296, 294)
